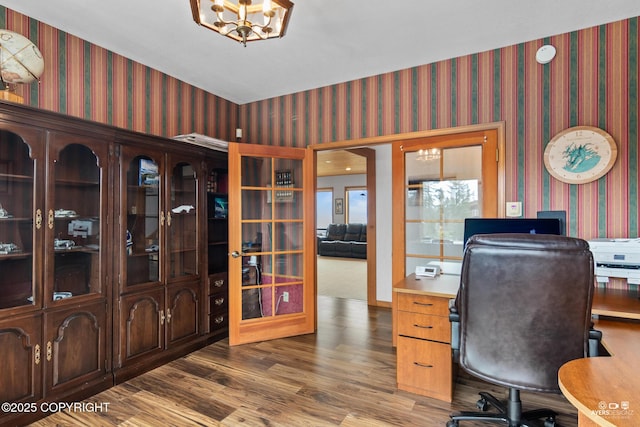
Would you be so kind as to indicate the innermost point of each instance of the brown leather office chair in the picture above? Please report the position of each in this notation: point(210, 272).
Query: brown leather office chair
point(524, 309)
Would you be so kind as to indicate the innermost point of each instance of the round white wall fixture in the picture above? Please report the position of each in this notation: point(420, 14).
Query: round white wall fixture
point(545, 54)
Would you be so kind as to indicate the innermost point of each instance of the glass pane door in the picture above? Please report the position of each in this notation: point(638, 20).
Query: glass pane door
point(272, 238)
point(443, 187)
point(143, 221)
point(75, 221)
point(16, 222)
point(182, 222)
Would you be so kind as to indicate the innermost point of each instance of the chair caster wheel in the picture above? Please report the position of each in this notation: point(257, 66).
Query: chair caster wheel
point(452, 423)
point(482, 404)
point(550, 422)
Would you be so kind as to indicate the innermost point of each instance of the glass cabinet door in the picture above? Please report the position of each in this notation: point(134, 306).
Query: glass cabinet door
point(75, 221)
point(182, 221)
point(16, 222)
point(141, 238)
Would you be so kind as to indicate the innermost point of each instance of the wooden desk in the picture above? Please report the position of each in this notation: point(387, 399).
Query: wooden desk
point(616, 303)
point(599, 386)
point(584, 382)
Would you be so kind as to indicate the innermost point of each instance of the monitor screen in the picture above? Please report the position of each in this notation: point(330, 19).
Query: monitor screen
point(510, 225)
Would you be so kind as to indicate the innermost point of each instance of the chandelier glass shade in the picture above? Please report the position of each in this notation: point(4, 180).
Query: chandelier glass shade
point(243, 20)
point(425, 155)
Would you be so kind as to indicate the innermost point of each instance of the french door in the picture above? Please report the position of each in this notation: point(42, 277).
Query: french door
point(271, 243)
point(438, 182)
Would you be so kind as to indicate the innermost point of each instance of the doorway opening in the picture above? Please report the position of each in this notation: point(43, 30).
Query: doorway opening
point(343, 208)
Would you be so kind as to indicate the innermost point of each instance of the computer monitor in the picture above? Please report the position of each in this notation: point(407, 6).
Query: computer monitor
point(510, 225)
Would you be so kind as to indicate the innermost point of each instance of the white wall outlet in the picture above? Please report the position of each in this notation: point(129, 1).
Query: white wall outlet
point(514, 209)
point(285, 296)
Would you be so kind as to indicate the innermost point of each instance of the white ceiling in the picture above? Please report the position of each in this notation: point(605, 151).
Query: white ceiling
point(327, 41)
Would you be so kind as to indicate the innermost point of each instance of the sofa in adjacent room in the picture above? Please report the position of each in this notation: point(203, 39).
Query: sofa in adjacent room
point(344, 240)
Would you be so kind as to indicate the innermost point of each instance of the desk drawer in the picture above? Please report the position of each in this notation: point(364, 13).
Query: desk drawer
point(425, 326)
point(425, 304)
point(424, 367)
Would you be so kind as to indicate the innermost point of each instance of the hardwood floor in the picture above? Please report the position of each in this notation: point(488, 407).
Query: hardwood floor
point(342, 375)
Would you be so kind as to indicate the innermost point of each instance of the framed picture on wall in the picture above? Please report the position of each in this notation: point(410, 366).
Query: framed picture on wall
point(339, 206)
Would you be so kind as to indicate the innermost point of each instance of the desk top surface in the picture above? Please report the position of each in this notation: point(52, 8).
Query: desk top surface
point(607, 389)
point(444, 285)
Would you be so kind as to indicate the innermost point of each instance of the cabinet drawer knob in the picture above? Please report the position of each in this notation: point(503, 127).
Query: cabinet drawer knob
point(219, 301)
point(218, 283)
point(422, 326)
point(422, 365)
point(219, 319)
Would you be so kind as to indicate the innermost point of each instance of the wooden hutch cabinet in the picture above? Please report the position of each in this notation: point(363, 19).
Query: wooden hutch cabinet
point(54, 305)
point(106, 255)
point(160, 252)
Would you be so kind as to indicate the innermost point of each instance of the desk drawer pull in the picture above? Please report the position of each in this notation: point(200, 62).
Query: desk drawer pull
point(415, 325)
point(422, 365)
point(426, 304)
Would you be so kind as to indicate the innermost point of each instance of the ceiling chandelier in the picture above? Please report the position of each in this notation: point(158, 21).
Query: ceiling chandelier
point(243, 20)
point(425, 155)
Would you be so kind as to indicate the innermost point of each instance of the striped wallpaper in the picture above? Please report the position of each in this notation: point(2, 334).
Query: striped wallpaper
point(87, 81)
point(592, 81)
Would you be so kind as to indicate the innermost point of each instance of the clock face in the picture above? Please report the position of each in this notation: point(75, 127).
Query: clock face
point(580, 154)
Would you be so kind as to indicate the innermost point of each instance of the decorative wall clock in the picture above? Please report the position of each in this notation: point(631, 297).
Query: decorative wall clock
point(580, 154)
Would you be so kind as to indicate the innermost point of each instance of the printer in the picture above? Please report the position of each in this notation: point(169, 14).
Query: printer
point(616, 258)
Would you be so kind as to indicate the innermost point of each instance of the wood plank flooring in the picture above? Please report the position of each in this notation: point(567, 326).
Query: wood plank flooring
point(343, 375)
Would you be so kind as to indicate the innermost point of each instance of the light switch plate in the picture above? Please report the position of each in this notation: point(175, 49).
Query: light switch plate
point(514, 209)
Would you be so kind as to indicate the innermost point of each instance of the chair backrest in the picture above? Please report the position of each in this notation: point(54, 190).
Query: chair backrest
point(525, 307)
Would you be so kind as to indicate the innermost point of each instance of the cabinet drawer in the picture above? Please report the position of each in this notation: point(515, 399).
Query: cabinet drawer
point(218, 283)
point(217, 322)
point(425, 367)
point(425, 304)
point(425, 326)
point(218, 304)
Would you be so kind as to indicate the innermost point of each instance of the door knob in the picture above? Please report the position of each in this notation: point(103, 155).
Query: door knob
point(235, 254)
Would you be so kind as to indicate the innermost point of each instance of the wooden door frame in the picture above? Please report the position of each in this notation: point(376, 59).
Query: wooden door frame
point(499, 127)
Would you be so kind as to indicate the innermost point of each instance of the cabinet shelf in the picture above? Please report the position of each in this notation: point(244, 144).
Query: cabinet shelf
point(16, 177)
point(16, 255)
point(76, 183)
point(16, 219)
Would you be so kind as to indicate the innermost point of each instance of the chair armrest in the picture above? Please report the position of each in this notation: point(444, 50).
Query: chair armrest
point(454, 318)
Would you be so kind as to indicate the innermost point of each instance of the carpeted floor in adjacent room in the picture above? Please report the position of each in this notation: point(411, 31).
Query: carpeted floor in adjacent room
point(342, 277)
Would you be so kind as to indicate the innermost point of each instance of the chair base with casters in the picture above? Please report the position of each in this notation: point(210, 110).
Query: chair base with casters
point(509, 414)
